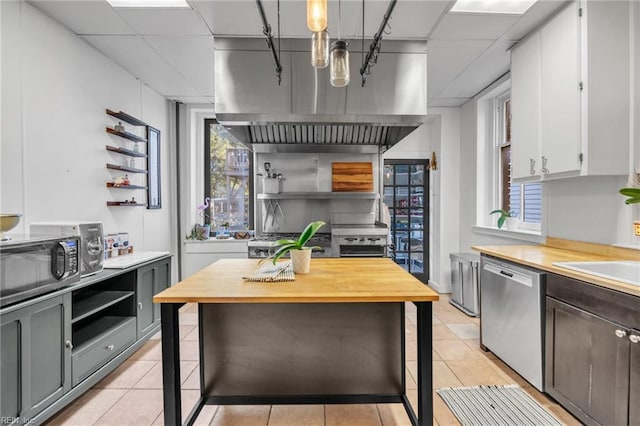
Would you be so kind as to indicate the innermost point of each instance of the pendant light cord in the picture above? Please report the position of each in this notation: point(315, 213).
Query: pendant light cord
point(339, 16)
point(315, 91)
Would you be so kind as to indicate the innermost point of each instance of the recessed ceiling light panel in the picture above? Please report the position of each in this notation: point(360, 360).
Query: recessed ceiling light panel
point(509, 7)
point(149, 3)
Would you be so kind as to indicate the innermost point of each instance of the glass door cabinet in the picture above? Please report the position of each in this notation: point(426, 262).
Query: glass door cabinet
point(405, 192)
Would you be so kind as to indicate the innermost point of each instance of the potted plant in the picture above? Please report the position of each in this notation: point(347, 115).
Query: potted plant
point(509, 217)
point(634, 198)
point(201, 231)
point(300, 254)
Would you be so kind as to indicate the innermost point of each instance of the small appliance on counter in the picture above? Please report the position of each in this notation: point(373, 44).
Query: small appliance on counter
point(30, 266)
point(91, 241)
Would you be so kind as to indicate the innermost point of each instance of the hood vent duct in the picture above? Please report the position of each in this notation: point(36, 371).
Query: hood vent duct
point(256, 110)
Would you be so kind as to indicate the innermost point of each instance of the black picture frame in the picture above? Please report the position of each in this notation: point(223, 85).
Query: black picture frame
point(154, 197)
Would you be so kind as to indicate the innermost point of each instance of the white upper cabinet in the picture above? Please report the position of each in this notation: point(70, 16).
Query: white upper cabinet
point(571, 94)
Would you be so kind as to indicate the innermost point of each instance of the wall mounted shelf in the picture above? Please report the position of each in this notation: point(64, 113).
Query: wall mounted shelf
point(113, 185)
point(126, 152)
point(127, 118)
point(126, 135)
point(320, 196)
point(124, 204)
point(124, 168)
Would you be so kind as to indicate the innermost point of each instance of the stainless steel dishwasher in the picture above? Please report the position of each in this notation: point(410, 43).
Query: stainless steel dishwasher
point(512, 316)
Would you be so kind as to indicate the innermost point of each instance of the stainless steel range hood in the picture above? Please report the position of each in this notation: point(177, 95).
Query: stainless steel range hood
point(252, 106)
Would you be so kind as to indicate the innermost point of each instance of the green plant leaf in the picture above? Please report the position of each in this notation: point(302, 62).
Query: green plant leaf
point(309, 231)
point(632, 193)
point(501, 220)
point(283, 250)
point(283, 242)
point(502, 213)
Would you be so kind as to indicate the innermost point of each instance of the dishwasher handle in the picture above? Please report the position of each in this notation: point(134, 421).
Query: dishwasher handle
point(509, 274)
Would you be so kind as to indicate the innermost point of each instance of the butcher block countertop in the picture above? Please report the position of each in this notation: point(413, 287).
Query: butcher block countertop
point(558, 250)
point(331, 280)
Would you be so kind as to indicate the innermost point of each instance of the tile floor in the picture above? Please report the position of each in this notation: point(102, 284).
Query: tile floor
point(132, 394)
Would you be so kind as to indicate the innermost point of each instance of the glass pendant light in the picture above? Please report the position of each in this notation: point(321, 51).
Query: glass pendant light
point(320, 49)
point(339, 63)
point(317, 15)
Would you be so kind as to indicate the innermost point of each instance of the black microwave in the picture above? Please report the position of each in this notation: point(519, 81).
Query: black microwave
point(30, 266)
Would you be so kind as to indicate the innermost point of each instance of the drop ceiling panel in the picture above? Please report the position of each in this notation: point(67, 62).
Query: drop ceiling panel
point(193, 99)
point(137, 57)
point(457, 26)
point(448, 59)
point(538, 13)
point(164, 21)
point(239, 18)
point(191, 56)
point(85, 17)
point(446, 102)
point(482, 72)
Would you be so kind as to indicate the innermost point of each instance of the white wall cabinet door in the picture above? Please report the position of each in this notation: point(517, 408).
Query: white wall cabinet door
point(560, 94)
point(525, 110)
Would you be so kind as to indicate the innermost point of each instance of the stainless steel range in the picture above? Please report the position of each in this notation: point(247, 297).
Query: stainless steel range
point(264, 245)
point(366, 240)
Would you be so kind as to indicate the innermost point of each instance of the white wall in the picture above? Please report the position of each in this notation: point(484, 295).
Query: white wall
point(55, 89)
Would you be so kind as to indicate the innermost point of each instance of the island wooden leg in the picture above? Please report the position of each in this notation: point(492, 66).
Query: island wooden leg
point(171, 363)
point(425, 363)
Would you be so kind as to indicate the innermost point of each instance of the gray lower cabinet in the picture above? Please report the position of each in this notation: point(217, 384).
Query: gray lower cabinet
point(593, 352)
point(151, 280)
point(36, 357)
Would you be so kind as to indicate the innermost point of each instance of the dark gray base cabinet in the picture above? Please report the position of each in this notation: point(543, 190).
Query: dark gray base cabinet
point(151, 280)
point(592, 352)
point(57, 347)
point(36, 363)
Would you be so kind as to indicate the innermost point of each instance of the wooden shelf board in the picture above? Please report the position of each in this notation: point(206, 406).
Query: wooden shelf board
point(126, 117)
point(112, 185)
point(126, 135)
point(95, 302)
point(126, 152)
point(124, 204)
point(124, 168)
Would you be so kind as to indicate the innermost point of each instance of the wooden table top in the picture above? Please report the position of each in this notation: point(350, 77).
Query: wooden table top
point(332, 280)
point(543, 256)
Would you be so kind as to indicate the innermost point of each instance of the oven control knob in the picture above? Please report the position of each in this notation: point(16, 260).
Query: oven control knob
point(362, 239)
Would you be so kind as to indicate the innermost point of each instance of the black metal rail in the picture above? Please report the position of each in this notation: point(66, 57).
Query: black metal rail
point(374, 48)
point(266, 30)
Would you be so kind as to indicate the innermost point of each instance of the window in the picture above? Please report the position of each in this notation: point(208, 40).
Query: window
point(523, 200)
point(228, 182)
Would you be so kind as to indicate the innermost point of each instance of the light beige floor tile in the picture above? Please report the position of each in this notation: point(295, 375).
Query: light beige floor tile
point(474, 344)
point(435, 320)
point(452, 350)
point(563, 415)
point(465, 331)
point(442, 414)
point(137, 407)
point(87, 409)
point(241, 415)
point(443, 376)
point(410, 380)
point(126, 375)
point(189, 307)
point(206, 415)
point(189, 350)
point(150, 351)
point(156, 336)
point(352, 415)
point(442, 332)
point(472, 372)
point(188, 318)
point(508, 373)
point(193, 335)
point(393, 415)
point(193, 380)
point(297, 415)
point(454, 317)
point(183, 330)
point(541, 398)
point(153, 379)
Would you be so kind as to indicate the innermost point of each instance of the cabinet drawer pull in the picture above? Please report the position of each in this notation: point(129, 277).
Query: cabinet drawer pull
point(634, 338)
point(140, 305)
point(110, 347)
point(68, 344)
point(621, 333)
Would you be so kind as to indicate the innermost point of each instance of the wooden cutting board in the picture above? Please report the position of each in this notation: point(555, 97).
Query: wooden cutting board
point(352, 177)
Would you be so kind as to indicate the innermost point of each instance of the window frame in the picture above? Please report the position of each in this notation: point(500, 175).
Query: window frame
point(208, 122)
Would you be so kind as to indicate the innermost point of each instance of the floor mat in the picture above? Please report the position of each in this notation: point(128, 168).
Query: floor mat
point(506, 405)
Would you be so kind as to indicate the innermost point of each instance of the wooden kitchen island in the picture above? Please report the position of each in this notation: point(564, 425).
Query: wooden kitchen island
point(333, 336)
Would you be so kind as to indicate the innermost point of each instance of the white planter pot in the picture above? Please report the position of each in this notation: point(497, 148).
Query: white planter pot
point(301, 261)
point(512, 223)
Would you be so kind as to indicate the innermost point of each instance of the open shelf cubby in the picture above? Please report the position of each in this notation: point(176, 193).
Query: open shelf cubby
point(95, 330)
point(91, 302)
